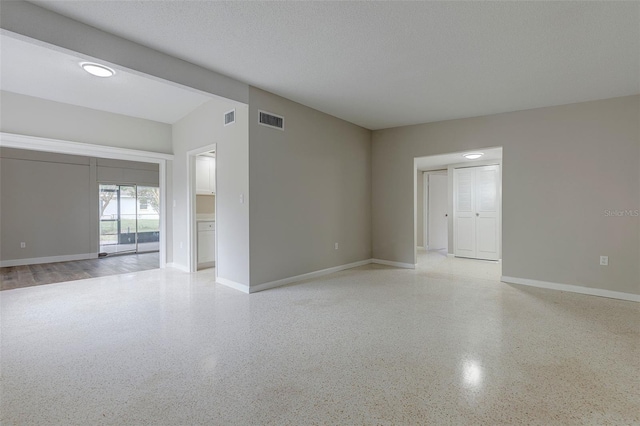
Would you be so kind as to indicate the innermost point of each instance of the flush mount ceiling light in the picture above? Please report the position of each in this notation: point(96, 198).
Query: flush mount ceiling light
point(97, 69)
point(473, 155)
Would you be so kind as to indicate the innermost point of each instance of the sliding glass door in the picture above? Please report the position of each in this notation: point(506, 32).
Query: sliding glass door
point(129, 219)
point(148, 215)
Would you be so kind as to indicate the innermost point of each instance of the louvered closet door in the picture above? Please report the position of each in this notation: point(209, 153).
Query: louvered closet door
point(487, 211)
point(477, 212)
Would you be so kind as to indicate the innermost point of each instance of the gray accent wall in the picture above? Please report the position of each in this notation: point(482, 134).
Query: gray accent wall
point(310, 187)
point(45, 202)
point(564, 167)
point(50, 201)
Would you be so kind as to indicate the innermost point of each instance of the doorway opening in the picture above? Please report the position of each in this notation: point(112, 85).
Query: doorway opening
point(129, 218)
point(202, 207)
point(435, 221)
point(458, 211)
point(206, 210)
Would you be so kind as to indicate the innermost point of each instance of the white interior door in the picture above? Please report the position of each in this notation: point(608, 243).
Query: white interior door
point(437, 212)
point(477, 212)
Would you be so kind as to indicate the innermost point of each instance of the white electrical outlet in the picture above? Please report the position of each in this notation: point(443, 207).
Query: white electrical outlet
point(241, 198)
point(604, 260)
point(336, 246)
point(23, 245)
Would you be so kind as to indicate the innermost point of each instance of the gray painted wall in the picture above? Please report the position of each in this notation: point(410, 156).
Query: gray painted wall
point(563, 167)
point(118, 171)
point(44, 204)
point(31, 116)
point(50, 201)
point(310, 187)
point(203, 127)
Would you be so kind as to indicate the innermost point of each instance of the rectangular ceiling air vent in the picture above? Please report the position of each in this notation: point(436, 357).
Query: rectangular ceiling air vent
point(230, 117)
point(271, 120)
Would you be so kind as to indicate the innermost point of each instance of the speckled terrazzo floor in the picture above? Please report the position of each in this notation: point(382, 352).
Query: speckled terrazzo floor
point(446, 343)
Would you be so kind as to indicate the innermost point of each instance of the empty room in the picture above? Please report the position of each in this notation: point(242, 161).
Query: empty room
point(269, 213)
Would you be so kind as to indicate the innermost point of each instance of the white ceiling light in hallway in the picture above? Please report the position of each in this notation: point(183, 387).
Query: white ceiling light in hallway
point(473, 155)
point(97, 69)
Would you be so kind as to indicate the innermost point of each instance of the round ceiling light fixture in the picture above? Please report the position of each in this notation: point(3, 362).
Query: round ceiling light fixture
point(473, 155)
point(97, 69)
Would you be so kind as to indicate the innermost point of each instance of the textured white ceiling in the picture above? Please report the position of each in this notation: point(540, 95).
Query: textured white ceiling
point(35, 70)
point(385, 64)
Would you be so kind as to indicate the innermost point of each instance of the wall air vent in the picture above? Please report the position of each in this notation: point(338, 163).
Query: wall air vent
point(271, 120)
point(230, 117)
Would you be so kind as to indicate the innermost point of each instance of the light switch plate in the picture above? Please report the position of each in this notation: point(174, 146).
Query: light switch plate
point(604, 260)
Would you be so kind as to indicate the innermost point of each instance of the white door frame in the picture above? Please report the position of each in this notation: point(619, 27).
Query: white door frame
point(450, 167)
point(192, 240)
point(425, 209)
point(33, 143)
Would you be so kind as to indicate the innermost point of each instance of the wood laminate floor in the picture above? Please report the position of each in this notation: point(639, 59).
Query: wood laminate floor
point(47, 273)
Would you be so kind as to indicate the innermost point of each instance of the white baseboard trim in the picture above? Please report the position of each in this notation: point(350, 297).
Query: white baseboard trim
point(396, 264)
point(451, 255)
point(573, 288)
point(235, 285)
point(48, 259)
point(206, 265)
point(178, 266)
point(314, 274)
